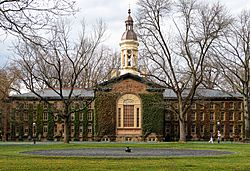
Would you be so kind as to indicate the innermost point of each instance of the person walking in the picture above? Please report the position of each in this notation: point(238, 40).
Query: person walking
point(219, 135)
point(211, 140)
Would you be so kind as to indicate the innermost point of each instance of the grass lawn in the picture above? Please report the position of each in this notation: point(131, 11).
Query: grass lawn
point(11, 159)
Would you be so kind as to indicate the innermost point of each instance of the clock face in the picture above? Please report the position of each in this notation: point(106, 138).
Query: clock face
point(129, 51)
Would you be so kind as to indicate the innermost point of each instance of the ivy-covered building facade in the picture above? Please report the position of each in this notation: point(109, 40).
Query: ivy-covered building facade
point(125, 108)
point(128, 107)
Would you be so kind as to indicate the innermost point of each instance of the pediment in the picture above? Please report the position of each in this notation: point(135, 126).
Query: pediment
point(128, 83)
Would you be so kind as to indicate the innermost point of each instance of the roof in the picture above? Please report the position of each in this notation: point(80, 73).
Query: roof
point(129, 35)
point(51, 94)
point(143, 80)
point(202, 93)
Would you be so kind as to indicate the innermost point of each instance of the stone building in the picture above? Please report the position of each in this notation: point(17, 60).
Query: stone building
point(128, 107)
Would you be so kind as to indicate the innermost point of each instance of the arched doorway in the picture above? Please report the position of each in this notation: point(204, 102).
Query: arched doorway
point(129, 118)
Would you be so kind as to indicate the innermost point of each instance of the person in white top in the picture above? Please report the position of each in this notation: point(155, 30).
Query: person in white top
point(219, 135)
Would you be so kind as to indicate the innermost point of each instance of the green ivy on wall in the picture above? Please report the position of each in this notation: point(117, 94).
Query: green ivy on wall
point(51, 124)
point(105, 115)
point(85, 121)
point(76, 127)
point(152, 114)
point(21, 123)
point(39, 120)
point(207, 129)
point(13, 124)
point(30, 120)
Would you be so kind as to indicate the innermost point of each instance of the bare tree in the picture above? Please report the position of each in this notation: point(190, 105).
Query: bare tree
point(58, 65)
point(99, 68)
point(233, 59)
point(177, 58)
point(9, 81)
point(28, 17)
point(211, 75)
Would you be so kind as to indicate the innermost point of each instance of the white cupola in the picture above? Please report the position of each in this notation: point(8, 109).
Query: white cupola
point(129, 49)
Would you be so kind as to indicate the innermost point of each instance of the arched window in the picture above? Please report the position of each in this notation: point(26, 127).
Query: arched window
point(129, 54)
point(129, 111)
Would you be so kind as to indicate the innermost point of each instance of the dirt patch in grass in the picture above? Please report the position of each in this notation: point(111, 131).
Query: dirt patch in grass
point(120, 152)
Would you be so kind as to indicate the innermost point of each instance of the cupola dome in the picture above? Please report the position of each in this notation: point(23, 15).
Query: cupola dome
point(129, 33)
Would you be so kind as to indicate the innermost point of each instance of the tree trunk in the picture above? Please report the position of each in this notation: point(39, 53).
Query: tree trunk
point(182, 131)
point(66, 130)
point(246, 117)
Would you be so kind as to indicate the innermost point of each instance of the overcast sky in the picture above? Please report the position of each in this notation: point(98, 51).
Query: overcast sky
point(113, 13)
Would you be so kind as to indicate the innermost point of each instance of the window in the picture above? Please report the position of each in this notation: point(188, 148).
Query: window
point(81, 129)
point(240, 105)
point(211, 116)
point(45, 129)
point(239, 128)
point(89, 129)
point(128, 115)
point(90, 105)
point(45, 116)
point(231, 128)
point(222, 128)
point(17, 129)
point(72, 117)
point(222, 105)
point(240, 116)
point(222, 116)
point(202, 116)
point(90, 115)
point(34, 105)
point(211, 106)
point(202, 129)
point(25, 105)
point(72, 129)
point(193, 106)
point(193, 127)
point(81, 116)
point(56, 117)
point(167, 129)
point(129, 58)
point(26, 130)
point(128, 112)
point(26, 116)
point(176, 117)
point(231, 105)
point(231, 116)
point(202, 106)
point(193, 116)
